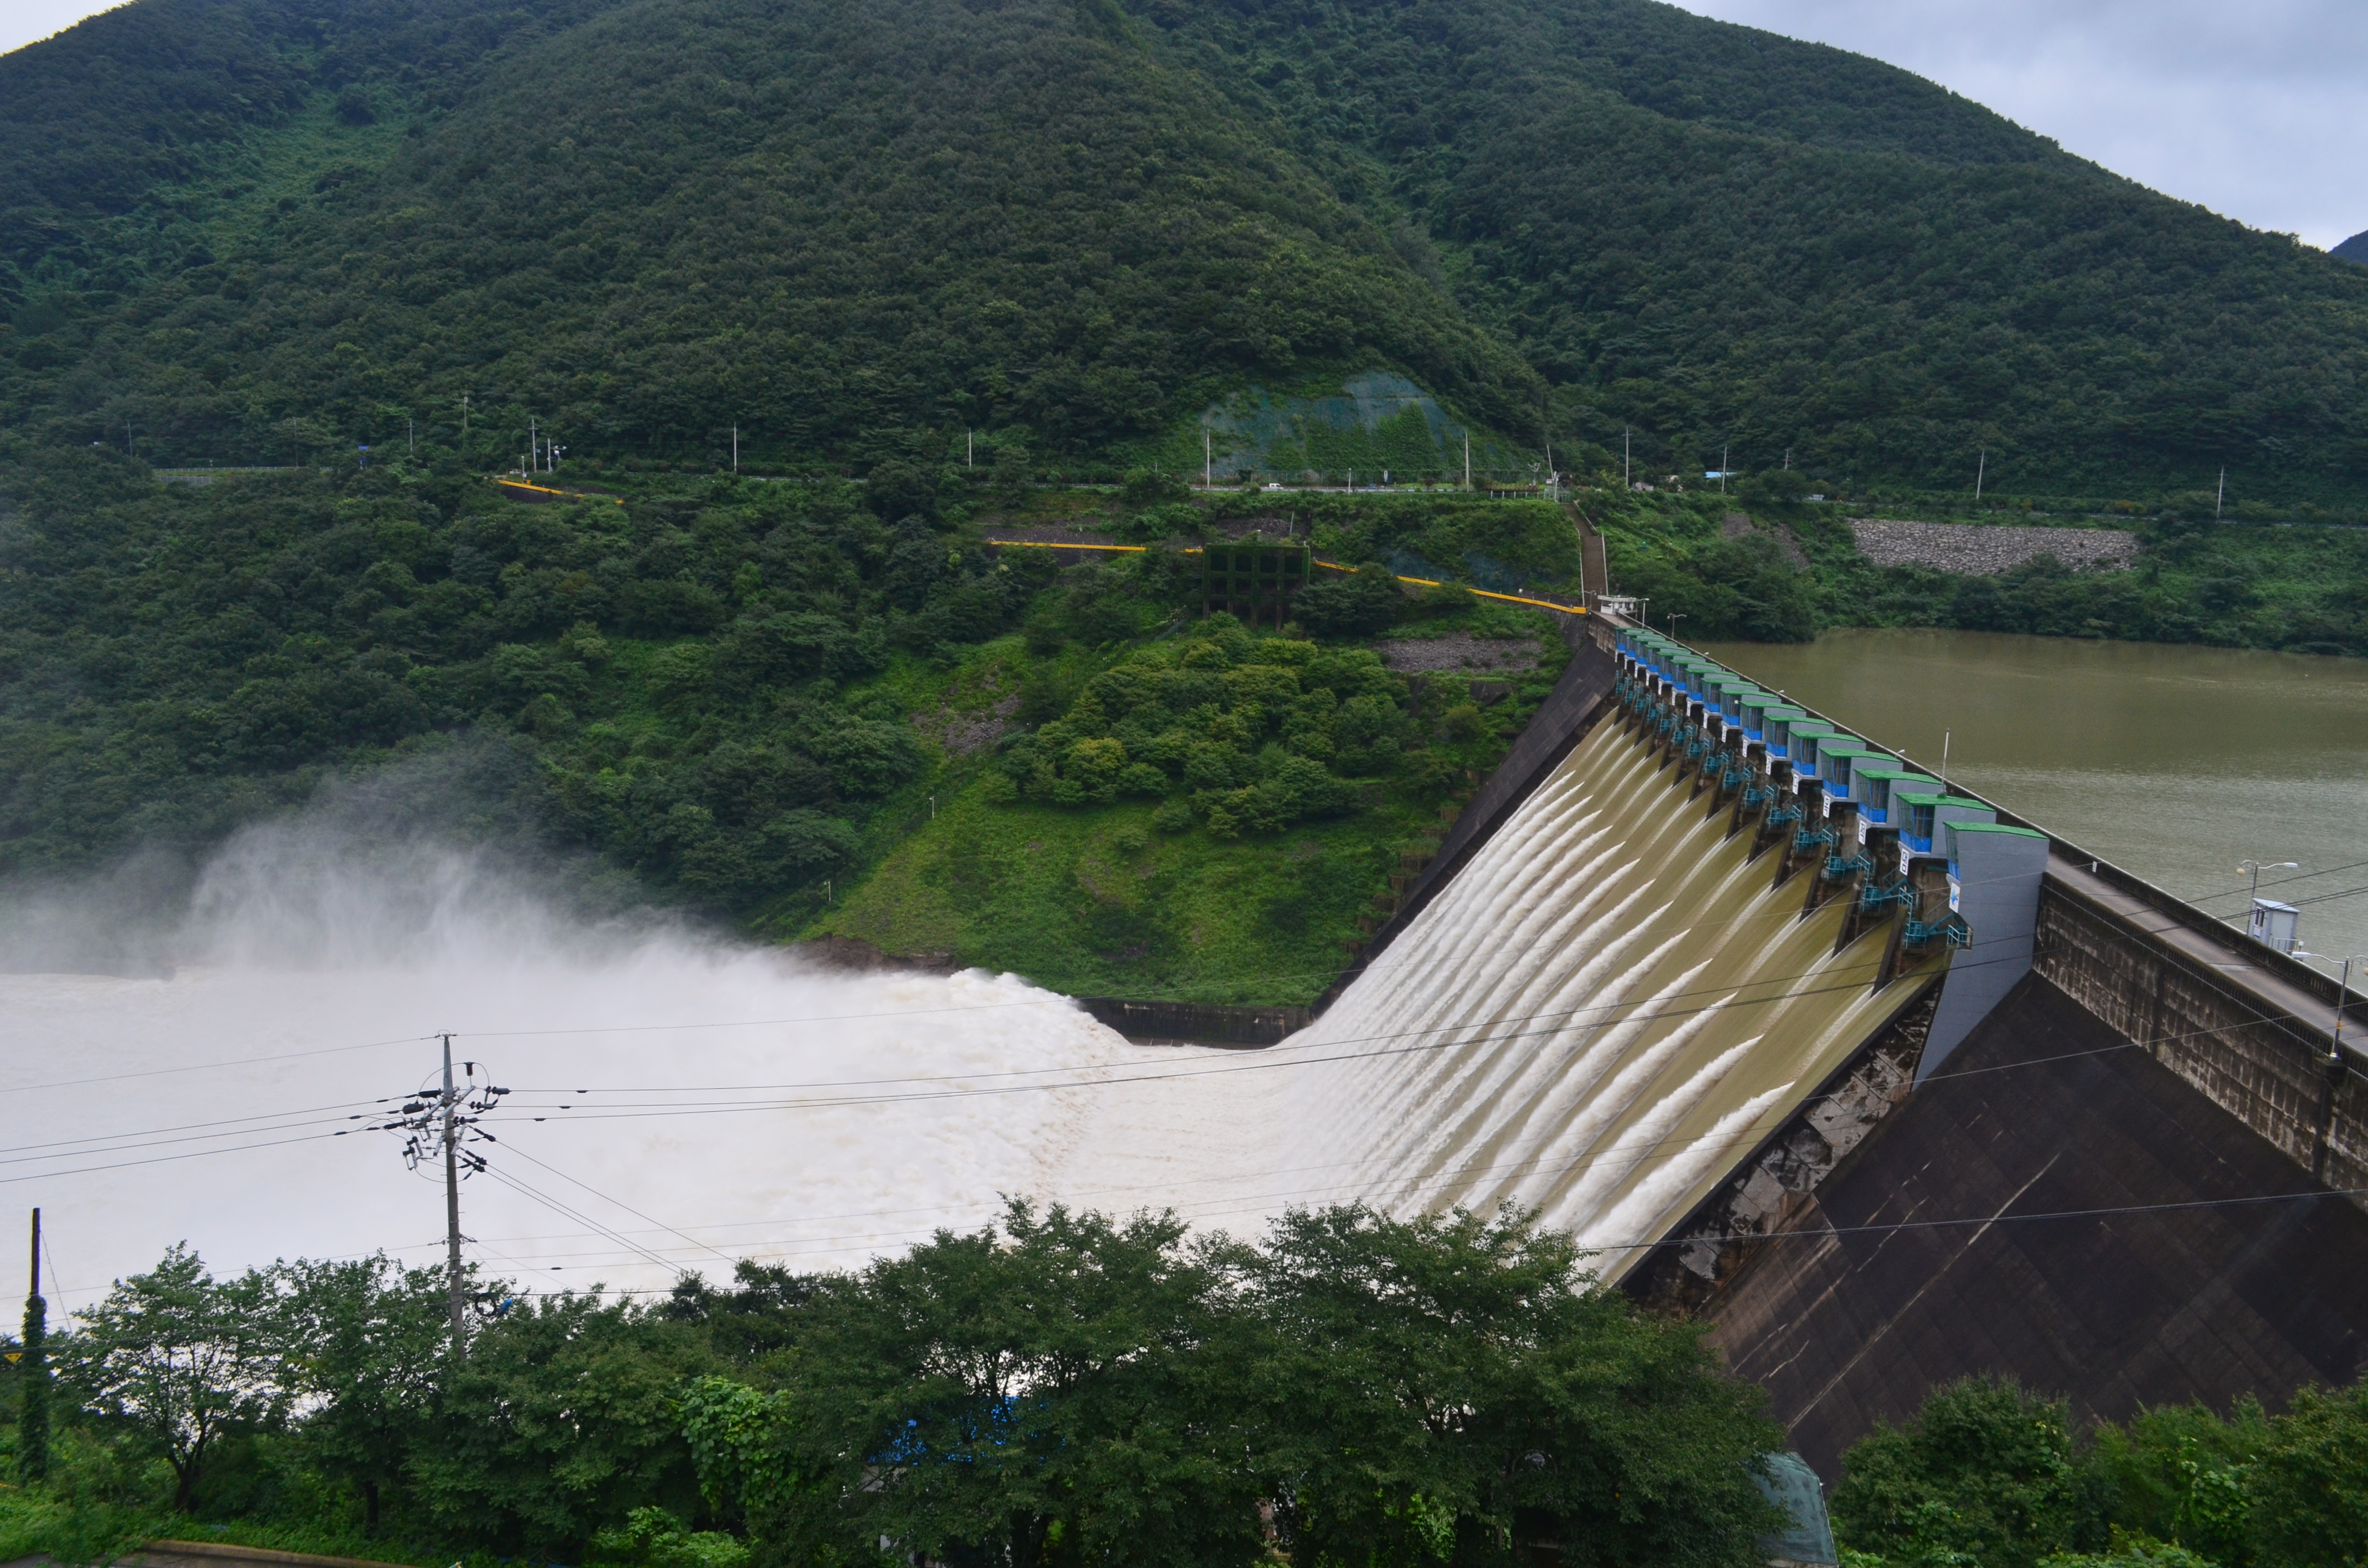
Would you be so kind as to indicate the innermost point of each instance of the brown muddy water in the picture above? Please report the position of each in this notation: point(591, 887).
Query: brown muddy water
point(2175, 763)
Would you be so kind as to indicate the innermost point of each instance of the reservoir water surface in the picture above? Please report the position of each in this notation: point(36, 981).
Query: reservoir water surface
point(2175, 763)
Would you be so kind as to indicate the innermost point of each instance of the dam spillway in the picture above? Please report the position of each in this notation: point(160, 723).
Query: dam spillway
point(1884, 1083)
point(1612, 1001)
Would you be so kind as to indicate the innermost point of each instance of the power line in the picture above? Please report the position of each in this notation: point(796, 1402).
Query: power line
point(207, 1066)
point(2281, 881)
point(606, 1199)
point(1593, 1159)
point(1337, 1165)
point(557, 1207)
point(125, 1143)
point(1256, 1064)
point(439, 1127)
point(183, 1126)
point(1265, 1060)
point(166, 1159)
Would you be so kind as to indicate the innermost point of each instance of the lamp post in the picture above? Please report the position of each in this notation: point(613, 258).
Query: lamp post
point(2256, 869)
point(2335, 1068)
point(1673, 625)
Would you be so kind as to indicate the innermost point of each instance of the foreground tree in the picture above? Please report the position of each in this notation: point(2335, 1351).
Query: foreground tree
point(1061, 1390)
point(1984, 1473)
point(175, 1360)
point(1454, 1389)
point(1066, 1388)
point(364, 1343)
point(561, 1420)
point(2310, 1488)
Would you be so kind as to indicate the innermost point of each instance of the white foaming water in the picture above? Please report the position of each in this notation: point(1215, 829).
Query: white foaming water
point(744, 1104)
point(1605, 1010)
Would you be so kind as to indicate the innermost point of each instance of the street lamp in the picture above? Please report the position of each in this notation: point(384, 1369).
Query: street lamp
point(2342, 994)
point(2256, 869)
point(1673, 625)
point(2335, 1068)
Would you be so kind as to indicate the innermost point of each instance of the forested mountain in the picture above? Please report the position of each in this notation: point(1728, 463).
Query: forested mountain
point(849, 236)
point(261, 228)
point(1726, 239)
point(838, 226)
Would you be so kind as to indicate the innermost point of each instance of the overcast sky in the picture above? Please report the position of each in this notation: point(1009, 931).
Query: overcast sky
point(2253, 110)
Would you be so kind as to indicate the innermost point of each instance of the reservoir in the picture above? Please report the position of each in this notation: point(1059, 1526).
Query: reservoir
point(2176, 763)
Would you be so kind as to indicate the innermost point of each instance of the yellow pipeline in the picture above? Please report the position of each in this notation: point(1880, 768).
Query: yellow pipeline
point(1328, 565)
point(547, 490)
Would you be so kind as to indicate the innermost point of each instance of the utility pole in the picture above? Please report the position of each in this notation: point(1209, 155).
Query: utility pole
point(33, 1416)
point(1627, 480)
point(1467, 460)
point(410, 437)
point(1208, 461)
point(438, 1124)
point(465, 415)
point(735, 448)
point(533, 447)
point(1981, 469)
point(2221, 494)
point(1722, 471)
point(451, 1205)
point(970, 449)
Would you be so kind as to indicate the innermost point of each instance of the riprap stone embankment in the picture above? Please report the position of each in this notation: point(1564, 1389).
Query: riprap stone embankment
point(1978, 551)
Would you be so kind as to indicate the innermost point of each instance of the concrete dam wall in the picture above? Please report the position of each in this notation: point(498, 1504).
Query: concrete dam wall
point(1888, 1086)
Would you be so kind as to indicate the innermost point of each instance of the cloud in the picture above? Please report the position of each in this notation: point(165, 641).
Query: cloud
point(2249, 110)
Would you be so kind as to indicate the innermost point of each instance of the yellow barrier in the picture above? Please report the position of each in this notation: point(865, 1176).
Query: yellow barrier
point(547, 490)
point(1331, 565)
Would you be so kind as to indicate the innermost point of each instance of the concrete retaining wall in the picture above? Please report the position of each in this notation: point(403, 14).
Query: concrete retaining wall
point(1199, 1022)
point(2264, 1065)
point(2057, 1209)
point(1574, 705)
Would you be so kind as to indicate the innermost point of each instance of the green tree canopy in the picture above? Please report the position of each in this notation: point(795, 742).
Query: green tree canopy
point(1445, 1388)
point(177, 1360)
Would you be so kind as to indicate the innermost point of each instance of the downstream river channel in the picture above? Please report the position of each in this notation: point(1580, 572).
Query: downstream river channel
point(2174, 763)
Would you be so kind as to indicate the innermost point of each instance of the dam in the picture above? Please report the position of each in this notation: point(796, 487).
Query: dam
point(1882, 1084)
point(1885, 1085)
